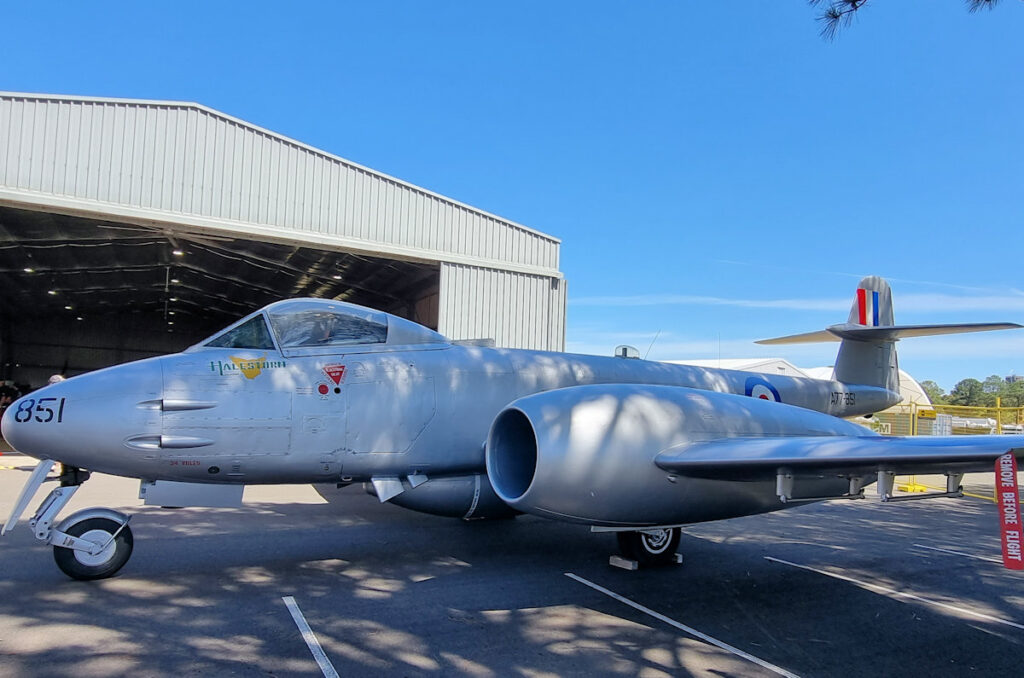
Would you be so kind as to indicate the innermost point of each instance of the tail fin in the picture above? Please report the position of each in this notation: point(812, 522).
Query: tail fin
point(870, 360)
point(867, 352)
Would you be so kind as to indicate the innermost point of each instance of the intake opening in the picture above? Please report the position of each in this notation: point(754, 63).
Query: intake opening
point(511, 455)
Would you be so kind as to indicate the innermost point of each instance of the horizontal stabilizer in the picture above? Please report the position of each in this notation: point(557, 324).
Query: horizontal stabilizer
point(885, 333)
point(806, 338)
point(821, 456)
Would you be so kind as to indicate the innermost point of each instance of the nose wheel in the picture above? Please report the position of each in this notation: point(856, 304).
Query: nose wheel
point(112, 546)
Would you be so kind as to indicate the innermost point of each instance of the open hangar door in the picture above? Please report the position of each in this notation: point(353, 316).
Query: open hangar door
point(79, 293)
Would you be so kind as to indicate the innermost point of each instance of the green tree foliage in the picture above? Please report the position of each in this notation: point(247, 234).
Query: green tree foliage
point(968, 392)
point(934, 392)
point(974, 393)
point(837, 14)
point(995, 385)
point(1013, 396)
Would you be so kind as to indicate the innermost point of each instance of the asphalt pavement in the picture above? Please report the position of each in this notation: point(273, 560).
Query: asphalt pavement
point(301, 582)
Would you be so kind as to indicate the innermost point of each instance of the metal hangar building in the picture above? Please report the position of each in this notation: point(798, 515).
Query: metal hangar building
point(130, 228)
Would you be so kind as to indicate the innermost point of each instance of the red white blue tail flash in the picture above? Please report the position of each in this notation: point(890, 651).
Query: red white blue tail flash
point(868, 307)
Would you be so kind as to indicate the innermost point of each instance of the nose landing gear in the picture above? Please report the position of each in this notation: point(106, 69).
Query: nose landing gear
point(89, 544)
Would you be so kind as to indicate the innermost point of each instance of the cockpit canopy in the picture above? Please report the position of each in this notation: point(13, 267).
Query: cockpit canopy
point(314, 323)
point(297, 324)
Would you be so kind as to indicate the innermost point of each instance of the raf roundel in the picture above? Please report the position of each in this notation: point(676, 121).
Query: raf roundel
point(759, 388)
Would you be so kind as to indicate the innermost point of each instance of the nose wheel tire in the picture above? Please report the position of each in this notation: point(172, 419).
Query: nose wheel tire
point(85, 566)
point(653, 547)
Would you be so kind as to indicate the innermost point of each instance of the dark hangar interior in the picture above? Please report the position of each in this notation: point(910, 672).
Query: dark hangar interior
point(80, 293)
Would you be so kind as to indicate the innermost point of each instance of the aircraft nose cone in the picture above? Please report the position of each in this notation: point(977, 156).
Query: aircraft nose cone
point(7, 428)
point(85, 420)
point(24, 418)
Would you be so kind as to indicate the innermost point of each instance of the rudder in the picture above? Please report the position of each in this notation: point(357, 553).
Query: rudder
point(872, 305)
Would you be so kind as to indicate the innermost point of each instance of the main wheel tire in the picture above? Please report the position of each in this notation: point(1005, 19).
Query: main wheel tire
point(83, 566)
point(652, 547)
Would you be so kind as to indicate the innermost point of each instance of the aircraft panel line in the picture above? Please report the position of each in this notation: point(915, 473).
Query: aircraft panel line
point(307, 635)
point(684, 628)
point(997, 561)
point(876, 588)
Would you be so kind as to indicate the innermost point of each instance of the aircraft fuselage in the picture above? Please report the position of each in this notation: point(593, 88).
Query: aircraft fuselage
point(260, 416)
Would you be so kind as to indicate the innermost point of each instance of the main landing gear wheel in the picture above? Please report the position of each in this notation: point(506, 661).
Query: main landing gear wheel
point(83, 565)
point(651, 547)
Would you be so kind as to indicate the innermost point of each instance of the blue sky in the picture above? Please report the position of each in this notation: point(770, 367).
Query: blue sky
point(716, 171)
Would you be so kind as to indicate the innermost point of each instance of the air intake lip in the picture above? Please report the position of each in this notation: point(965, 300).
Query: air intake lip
point(511, 455)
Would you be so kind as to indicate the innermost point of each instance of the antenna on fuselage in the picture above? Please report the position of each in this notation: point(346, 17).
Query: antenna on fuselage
point(652, 344)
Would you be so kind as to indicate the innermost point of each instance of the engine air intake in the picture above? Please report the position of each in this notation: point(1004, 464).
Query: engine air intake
point(511, 454)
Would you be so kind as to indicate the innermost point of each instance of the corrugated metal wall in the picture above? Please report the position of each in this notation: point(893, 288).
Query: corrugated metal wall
point(514, 309)
point(187, 159)
point(183, 163)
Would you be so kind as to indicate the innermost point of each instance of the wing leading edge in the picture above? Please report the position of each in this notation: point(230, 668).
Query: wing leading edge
point(748, 459)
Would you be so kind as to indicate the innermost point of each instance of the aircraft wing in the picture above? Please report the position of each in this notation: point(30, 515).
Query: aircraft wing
point(822, 456)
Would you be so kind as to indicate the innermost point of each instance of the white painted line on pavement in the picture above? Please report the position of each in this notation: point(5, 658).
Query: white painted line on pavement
point(997, 561)
point(307, 635)
point(684, 628)
point(899, 594)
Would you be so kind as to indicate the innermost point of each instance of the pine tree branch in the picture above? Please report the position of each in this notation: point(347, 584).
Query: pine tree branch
point(840, 13)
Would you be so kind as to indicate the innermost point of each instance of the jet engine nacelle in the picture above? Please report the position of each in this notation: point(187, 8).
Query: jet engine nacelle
point(587, 453)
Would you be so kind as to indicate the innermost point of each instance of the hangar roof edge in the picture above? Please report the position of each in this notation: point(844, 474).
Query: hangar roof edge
point(74, 206)
point(256, 128)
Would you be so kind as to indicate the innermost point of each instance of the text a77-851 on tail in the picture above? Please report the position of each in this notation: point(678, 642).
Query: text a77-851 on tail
point(315, 391)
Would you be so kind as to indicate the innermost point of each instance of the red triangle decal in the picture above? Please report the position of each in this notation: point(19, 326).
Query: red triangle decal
point(335, 372)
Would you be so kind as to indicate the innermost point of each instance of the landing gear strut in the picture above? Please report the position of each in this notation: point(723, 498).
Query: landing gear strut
point(89, 544)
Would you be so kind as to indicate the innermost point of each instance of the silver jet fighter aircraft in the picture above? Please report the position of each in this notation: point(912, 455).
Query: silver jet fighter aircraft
point(312, 391)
